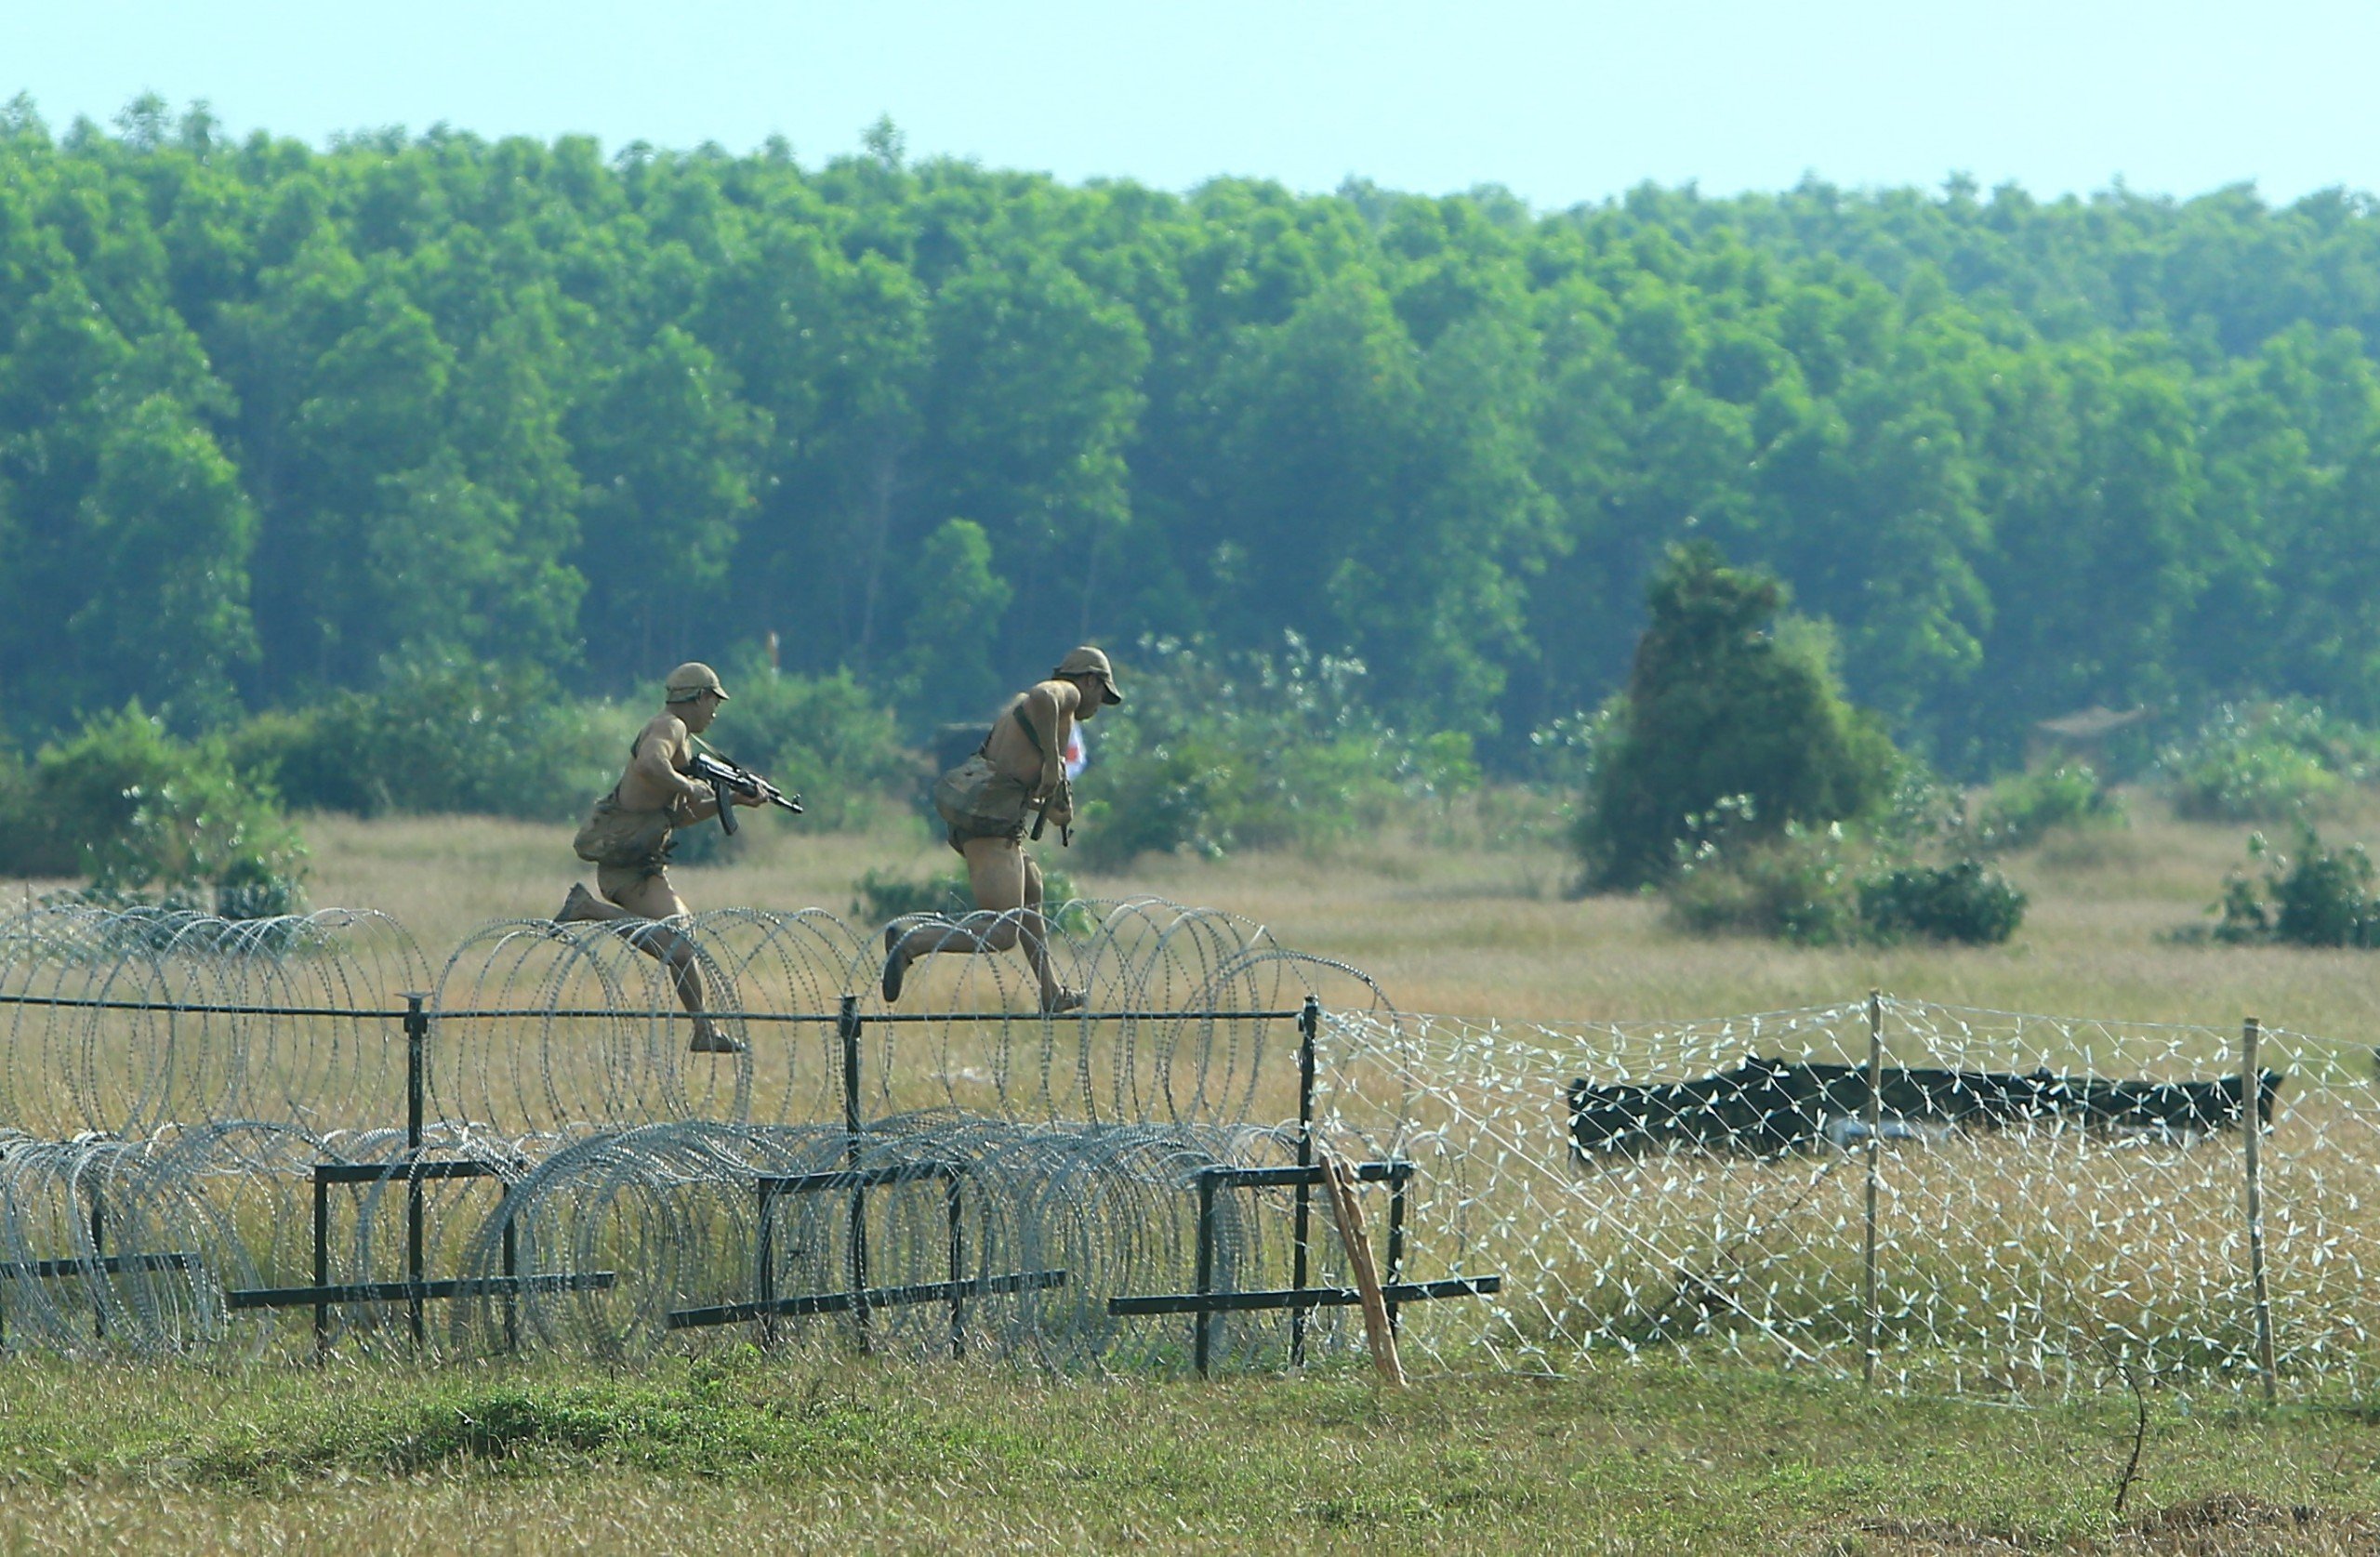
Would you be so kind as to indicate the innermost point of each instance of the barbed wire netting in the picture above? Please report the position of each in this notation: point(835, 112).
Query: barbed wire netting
point(2058, 1203)
point(230, 1139)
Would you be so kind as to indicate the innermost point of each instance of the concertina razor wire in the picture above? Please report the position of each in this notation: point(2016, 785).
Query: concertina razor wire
point(199, 1112)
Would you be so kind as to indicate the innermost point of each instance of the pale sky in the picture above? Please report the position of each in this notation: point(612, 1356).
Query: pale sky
point(1558, 102)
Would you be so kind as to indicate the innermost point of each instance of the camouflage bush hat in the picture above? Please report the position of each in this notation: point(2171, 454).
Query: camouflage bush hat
point(692, 679)
point(1088, 661)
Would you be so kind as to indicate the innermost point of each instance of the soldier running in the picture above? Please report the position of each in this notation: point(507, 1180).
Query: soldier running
point(628, 835)
point(987, 801)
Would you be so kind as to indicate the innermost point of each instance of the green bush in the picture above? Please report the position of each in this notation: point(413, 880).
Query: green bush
point(2019, 810)
point(441, 736)
point(1795, 885)
point(2268, 762)
point(1725, 700)
point(828, 738)
point(1962, 902)
point(2318, 897)
point(1809, 885)
point(1219, 753)
point(456, 736)
point(137, 812)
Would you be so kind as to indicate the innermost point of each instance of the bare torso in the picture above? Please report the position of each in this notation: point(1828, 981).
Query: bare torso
point(653, 779)
point(1050, 706)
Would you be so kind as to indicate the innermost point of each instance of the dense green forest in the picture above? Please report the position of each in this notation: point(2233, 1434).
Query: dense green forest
point(279, 421)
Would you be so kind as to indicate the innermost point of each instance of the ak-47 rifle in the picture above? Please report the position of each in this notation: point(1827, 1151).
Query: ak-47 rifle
point(727, 780)
point(1041, 815)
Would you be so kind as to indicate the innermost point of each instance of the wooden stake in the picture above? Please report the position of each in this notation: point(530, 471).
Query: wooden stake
point(1340, 1183)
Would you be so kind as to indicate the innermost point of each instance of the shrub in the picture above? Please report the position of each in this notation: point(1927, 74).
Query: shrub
point(1724, 699)
point(828, 738)
point(1962, 902)
point(2017, 812)
point(2319, 897)
point(1219, 753)
point(137, 812)
point(1795, 885)
point(1803, 884)
point(441, 735)
point(2271, 762)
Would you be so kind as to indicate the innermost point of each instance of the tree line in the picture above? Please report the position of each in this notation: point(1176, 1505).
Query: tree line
point(278, 422)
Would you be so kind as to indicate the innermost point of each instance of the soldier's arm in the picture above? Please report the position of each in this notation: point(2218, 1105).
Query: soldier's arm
point(657, 754)
point(1042, 706)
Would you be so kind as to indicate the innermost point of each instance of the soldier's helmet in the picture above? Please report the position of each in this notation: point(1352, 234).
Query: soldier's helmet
point(1087, 661)
point(692, 679)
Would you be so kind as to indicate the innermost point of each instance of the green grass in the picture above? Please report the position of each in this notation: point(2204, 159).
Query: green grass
point(740, 1452)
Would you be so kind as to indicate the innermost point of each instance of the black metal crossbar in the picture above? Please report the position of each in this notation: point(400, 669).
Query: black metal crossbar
point(1306, 1177)
point(417, 1288)
point(859, 1298)
point(112, 1264)
point(878, 1297)
point(414, 1171)
point(1303, 1297)
point(592, 1013)
point(99, 1262)
point(418, 1291)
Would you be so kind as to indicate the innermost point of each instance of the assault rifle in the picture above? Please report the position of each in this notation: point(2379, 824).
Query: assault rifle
point(1041, 815)
point(727, 780)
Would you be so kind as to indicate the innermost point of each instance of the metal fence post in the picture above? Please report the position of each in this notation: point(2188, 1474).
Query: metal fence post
point(1309, 1021)
point(98, 1259)
point(2251, 1129)
point(322, 1263)
point(511, 1269)
point(765, 1282)
point(1870, 1316)
point(416, 1059)
point(848, 1025)
point(1206, 1268)
point(953, 1206)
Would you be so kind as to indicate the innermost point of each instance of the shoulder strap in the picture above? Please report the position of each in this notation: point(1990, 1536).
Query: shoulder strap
point(1024, 724)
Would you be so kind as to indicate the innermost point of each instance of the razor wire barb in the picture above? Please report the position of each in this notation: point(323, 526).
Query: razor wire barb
point(199, 1109)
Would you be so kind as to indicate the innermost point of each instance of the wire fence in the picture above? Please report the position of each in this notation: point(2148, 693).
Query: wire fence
point(257, 1139)
point(2014, 1203)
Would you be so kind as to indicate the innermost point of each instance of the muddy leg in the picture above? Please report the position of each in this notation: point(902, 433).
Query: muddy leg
point(635, 905)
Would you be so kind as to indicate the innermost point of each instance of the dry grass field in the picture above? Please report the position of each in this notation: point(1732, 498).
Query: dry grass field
point(1461, 916)
point(1457, 913)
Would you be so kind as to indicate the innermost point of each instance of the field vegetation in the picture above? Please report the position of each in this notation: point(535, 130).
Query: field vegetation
point(1464, 905)
point(1467, 908)
point(738, 1452)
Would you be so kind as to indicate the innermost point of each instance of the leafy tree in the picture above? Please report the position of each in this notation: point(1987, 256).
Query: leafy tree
point(1720, 706)
point(956, 609)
